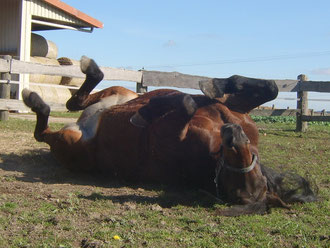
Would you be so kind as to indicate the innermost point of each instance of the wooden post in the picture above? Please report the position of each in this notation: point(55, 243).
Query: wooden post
point(5, 90)
point(140, 89)
point(302, 106)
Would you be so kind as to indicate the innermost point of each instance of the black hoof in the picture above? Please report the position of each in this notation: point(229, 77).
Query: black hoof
point(34, 101)
point(213, 88)
point(89, 67)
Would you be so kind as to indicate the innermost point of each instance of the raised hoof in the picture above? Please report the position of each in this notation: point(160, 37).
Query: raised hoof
point(34, 101)
point(213, 89)
point(89, 67)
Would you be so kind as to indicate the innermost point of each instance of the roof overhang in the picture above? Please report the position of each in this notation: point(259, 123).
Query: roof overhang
point(81, 21)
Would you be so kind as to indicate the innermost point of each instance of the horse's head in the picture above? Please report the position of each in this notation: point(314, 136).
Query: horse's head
point(235, 147)
point(239, 175)
point(240, 178)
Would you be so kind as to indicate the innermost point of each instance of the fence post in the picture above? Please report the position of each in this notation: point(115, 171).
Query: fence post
point(302, 105)
point(141, 89)
point(139, 86)
point(5, 90)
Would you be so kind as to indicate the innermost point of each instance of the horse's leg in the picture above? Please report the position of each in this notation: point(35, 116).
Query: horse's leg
point(82, 98)
point(239, 93)
point(66, 143)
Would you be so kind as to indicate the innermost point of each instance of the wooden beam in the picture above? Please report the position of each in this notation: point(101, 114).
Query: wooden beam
point(315, 118)
point(14, 105)
point(171, 79)
point(287, 85)
point(4, 64)
point(121, 74)
point(314, 86)
point(73, 71)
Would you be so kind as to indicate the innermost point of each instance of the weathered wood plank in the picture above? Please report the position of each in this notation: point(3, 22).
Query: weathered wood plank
point(314, 86)
point(121, 74)
point(176, 79)
point(171, 79)
point(4, 65)
point(150, 78)
point(315, 118)
point(34, 68)
point(73, 71)
point(14, 105)
point(287, 85)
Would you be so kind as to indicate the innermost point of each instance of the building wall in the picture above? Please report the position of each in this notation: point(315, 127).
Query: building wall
point(9, 27)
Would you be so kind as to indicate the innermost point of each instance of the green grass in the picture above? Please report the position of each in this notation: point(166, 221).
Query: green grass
point(58, 210)
point(66, 114)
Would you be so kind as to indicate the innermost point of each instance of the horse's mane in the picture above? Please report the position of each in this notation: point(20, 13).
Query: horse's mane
point(289, 186)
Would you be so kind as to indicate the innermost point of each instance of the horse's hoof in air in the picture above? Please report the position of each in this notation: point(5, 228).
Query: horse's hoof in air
point(35, 102)
point(210, 89)
point(89, 67)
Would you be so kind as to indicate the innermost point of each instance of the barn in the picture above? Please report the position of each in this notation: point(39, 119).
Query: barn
point(20, 18)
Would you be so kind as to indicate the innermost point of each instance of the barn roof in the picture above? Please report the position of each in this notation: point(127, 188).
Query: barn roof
point(55, 14)
point(75, 13)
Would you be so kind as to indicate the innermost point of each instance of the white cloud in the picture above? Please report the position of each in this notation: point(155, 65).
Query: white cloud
point(321, 71)
point(169, 43)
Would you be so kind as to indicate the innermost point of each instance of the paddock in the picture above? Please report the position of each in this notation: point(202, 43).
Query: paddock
point(48, 205)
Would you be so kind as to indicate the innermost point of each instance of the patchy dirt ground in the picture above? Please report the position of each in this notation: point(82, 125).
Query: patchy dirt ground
point(29, 174)
point(44, 205)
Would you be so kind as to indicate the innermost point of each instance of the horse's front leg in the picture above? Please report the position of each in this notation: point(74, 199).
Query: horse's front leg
point(110, 96)
point(239, 93)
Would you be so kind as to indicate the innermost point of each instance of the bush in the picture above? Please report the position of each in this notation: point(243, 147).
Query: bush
point(284, 119)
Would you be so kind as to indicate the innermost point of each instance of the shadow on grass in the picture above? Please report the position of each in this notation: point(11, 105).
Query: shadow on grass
point(39, 165)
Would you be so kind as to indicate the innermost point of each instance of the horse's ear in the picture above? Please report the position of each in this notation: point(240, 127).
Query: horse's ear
point(138, 121)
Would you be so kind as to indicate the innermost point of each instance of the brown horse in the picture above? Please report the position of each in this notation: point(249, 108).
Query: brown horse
point(166, 136)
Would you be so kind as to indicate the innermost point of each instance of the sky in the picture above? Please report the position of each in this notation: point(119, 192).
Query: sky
point(214, 38)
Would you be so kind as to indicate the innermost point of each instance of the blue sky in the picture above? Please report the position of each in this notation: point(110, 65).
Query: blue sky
point(263, 39)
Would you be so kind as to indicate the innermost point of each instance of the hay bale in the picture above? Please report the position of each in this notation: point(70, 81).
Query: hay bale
point(45, 79)
point(43, 48)
point(52, 94)
point(69, 80)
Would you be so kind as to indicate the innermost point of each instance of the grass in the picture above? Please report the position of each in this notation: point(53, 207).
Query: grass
point(43, 206)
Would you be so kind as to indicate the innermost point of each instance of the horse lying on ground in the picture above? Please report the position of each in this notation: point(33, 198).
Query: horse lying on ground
point(169, 137)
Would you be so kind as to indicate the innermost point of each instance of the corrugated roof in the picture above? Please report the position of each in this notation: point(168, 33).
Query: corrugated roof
point(76, 13)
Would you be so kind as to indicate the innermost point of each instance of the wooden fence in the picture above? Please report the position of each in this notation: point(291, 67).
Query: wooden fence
point(143, 79)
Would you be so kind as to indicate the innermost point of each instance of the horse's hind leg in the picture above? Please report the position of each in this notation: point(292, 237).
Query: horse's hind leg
point(239, 93)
